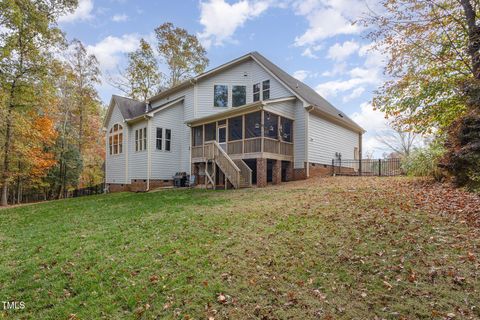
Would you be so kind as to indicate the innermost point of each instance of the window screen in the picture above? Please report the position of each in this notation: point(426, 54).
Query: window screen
point(235, 128)
point(253, 125)
point(286, 129)
point(198, 136)
point(271, 125)
point(210, 131)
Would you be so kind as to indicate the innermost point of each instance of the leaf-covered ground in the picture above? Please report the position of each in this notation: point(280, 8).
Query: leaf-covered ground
point(331, 248)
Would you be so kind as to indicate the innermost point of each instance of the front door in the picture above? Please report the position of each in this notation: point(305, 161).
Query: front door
point(222, 137)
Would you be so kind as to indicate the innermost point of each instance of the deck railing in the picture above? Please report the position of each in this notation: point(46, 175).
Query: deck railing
point(245, 173)
point(229, 168)
point(246, 146)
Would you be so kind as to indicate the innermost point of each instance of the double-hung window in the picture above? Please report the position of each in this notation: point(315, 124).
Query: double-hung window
point(256, 92)
point(141, 139)
point(168, 139)
point(164, 141)
point(266, 89)
point(159, 138)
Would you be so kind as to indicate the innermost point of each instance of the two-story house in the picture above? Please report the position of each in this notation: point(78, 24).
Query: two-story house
point(246, 122)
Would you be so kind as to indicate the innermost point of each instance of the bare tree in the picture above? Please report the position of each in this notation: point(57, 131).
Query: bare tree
point(399, 140)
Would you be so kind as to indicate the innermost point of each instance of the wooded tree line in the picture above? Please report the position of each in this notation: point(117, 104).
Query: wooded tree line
point(432, 48)
point(50, 112)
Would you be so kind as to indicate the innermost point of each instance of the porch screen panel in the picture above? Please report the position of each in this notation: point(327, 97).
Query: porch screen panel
point(271, 125)
point(197, 136)
point(253, 125)
point(210, 131)
point(235, 128)
point(286, 129)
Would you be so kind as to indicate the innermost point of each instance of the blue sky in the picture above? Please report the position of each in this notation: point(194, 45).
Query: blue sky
point(314, 40)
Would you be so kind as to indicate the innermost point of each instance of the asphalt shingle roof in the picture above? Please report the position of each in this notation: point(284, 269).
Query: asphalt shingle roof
point(304, 91)
point(131, 108)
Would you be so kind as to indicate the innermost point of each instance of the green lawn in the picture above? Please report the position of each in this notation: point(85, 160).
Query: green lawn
point(321, 249)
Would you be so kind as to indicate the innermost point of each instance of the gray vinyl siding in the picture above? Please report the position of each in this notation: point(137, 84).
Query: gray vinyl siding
point(327, 138)
point(115, 164)
point(182, 128)
point(137, 160)
point(245, 74)
point(299, 135)
point(164, 163)
point(283, 108)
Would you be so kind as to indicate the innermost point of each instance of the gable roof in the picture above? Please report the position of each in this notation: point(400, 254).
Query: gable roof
point(306, 93)
point(317, 104)
point(129, 108)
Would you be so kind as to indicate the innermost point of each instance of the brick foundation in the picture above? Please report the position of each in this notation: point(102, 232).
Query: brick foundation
point(117, 187)
point(277, 172)
point(320, 170)
point(261, 172)
point(138, 185)
point(299, 174)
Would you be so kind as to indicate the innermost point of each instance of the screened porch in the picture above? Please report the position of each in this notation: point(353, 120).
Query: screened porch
point(257, 134)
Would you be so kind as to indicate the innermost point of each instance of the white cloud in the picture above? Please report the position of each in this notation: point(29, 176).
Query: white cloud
point(110, 50)
point(329, 18)
point(81, 13)
point(120, 17)
point(340, 52)
point(301, 74)
point(374, 122)
point(355, 94)
point(221, 19)
point(338, 68)
point(370, 73)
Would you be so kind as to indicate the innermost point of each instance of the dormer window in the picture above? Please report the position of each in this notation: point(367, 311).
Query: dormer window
point(115, 139)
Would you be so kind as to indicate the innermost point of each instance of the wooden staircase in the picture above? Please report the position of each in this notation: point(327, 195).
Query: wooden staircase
point(245, 173)
point(237, 172)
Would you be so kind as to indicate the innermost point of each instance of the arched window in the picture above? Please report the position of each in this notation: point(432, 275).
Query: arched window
point(115, 139)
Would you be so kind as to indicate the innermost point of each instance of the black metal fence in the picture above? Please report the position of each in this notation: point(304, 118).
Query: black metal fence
point(38, 196)
point(367, 167)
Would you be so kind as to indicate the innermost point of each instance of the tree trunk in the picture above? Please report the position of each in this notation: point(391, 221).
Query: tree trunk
point(473, 37)
point(6, 157)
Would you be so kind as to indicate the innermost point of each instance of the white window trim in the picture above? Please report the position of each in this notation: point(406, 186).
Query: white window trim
point(141, 139)
point(111, 134)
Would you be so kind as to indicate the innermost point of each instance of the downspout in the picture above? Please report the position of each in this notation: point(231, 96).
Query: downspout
point(126, 147)
point(149, 138)
point(307, 140)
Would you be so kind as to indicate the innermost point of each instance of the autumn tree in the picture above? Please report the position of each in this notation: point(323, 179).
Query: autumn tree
point(29, 34)
point(181, 51)
point(141, 78)
point(433, 67)
point(86, 75)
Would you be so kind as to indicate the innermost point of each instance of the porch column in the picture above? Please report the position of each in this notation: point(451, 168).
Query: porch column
point(261, 172)
point(277, 172)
